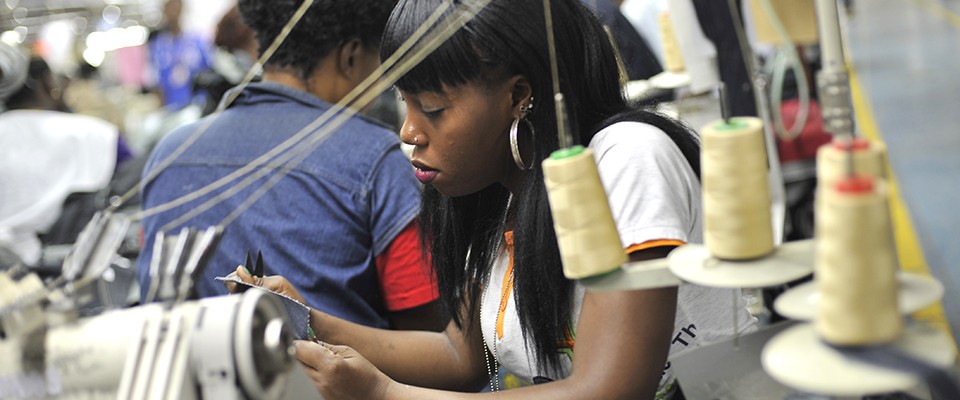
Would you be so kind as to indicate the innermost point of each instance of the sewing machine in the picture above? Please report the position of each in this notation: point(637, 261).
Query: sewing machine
point(228, 347)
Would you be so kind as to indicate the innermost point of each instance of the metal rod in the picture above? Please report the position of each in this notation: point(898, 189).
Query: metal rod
point(724, 102)
point(564, 136)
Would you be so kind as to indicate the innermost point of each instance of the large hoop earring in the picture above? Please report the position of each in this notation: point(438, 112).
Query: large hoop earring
point(515, 146)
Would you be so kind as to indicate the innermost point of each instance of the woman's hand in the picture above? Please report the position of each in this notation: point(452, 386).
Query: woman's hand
point(275, 283)
point(339, 372)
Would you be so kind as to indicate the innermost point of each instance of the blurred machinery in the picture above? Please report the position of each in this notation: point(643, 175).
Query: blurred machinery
point(859, 342)
point(228, 347)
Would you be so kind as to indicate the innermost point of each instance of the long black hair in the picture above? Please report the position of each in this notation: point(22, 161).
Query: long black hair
point(507, 38)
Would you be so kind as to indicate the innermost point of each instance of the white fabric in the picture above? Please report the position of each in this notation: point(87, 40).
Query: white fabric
point(653, 194)
point(699, 53)
point(643, 15)
point(44, 157)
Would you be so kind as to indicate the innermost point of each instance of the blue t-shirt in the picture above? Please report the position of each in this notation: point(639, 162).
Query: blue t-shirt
point(176, 60)
point(321, 226)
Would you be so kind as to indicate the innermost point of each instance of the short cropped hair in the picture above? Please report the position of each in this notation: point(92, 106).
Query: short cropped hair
point(326, 25)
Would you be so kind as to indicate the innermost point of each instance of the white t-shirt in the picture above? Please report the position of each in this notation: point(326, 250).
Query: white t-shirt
point(44, 157)
point(654, 194)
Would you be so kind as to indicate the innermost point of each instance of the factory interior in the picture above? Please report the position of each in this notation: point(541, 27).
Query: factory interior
point(311, 199)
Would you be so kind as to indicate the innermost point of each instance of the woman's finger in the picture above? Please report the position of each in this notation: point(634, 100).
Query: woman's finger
point(245, 276)
point(230, 285)
point(312, 354)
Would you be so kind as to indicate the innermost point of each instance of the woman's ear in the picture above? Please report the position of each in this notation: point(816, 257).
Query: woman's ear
point(348, 56)
point(521, 93)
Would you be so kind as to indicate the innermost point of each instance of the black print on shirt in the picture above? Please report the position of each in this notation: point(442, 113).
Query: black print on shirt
point(689, 331)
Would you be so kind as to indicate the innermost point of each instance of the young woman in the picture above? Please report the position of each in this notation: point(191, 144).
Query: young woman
point(486, 216)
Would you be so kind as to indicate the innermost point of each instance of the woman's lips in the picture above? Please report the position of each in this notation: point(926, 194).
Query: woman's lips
point(424, 175)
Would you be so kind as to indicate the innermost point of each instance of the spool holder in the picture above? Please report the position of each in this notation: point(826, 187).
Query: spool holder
point(650, 274)
point(790, 261)
point(800, 359)
point(915, 293)
point(693, 263)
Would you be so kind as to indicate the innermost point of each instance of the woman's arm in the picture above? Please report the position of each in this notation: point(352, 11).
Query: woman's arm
point(451, 360)
point(623, 339)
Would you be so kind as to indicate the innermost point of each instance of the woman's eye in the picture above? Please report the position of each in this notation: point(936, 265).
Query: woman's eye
point(432, 113)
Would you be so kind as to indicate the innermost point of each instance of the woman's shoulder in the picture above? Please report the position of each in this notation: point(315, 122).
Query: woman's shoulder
point(633, 137)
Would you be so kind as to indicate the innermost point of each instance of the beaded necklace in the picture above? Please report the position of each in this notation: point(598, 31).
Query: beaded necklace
point(493, 369)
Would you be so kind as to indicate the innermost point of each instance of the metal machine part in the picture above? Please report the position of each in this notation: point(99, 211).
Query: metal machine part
point(229, 347)
point(96, 246)
point(178, 260)
point(833, 82)
point(263, 346)
point(835, 103)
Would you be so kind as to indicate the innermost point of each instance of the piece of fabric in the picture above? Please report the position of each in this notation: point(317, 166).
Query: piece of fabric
point(44, 157)
point(654, 195)
point(321, 226)
point(403, 271)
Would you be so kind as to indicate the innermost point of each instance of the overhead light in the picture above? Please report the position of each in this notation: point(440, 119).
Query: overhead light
point(93, 56)
point(20, 14)
point(79, 25)
point(111, 14)
point(117, 38)
point(11, 38)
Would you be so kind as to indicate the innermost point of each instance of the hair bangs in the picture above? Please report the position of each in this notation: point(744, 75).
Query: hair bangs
point(459, 60)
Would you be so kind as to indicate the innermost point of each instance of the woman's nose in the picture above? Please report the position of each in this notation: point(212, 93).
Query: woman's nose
point(410, 135)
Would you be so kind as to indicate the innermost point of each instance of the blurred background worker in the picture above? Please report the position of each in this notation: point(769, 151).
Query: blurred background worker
point(234, 55)
point(176, 57)
point(47, 156)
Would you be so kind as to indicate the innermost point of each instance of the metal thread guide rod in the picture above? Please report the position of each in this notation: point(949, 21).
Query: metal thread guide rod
point(564, 135)
point(724, 102)
point(833, 81)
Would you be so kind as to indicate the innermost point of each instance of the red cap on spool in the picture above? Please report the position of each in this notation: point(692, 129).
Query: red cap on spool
point(855, 144)
point(854, 185)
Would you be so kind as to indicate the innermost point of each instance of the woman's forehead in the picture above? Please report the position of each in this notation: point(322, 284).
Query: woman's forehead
point(454, 92)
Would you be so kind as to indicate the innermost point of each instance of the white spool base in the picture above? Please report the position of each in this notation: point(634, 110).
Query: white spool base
point(649, 274)
point(916, 292)
point(694, 263)
point(637, 90)
point(800, 359)
point(670, 80)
